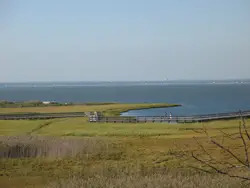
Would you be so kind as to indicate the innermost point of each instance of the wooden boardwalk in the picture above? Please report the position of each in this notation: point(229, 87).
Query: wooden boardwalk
point(165, 119)
point(41, 116)
point(123, 119)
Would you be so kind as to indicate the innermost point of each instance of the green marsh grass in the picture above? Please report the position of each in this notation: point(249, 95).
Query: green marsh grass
point(76, 153)
point(106, 108)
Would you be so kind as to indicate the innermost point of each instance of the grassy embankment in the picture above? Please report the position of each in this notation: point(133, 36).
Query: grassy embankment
point(76, 153)
point(107, 108)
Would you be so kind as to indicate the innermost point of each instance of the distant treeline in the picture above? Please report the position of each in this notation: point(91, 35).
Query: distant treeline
point(9, 104)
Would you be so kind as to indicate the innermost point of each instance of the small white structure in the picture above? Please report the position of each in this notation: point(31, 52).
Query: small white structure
point(46, 102)
point(94, 116)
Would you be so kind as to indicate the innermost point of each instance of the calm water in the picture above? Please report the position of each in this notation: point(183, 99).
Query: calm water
point(195, 98)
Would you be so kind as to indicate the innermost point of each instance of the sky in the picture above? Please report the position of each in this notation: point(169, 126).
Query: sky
point(132, 40)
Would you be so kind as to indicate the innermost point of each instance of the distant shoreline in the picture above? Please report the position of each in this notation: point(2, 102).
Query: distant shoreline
point(122, 83)
point(37, 103)
point(108, 109)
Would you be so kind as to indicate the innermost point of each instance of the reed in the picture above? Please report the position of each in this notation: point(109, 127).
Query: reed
point(50, 147)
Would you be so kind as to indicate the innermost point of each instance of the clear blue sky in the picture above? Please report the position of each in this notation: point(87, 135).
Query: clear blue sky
point(97, 40)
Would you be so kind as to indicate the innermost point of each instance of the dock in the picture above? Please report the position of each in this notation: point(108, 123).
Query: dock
point(167, 119)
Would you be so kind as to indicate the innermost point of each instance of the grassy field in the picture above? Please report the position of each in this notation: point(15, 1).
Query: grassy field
point(107, 108)
point(75, 153)
point(81, 127)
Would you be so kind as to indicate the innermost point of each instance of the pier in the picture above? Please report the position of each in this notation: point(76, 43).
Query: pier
point(167, 119)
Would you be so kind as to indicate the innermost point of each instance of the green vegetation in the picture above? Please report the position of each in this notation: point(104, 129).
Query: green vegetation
point(8, 104)
point(106, 108)
point(81, 127)
point(76, 153)
point(72, 152)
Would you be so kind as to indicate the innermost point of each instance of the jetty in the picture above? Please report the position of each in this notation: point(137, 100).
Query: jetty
point(167, 119)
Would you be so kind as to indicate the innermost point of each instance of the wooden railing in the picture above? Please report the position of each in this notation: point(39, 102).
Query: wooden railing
point(174, 119)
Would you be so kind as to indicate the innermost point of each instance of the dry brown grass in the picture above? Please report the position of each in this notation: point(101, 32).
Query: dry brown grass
point(49, 147)
point(97, 162)
point(104, 161)
point(144, 178)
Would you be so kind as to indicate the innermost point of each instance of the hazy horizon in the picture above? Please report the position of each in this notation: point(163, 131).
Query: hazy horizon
point(247, 80)
point(77, 41)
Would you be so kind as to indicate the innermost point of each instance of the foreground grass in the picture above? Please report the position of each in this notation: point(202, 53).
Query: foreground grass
point(76, 153)
point(144, 177)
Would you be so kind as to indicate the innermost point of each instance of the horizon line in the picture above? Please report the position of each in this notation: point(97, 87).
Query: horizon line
point(109, 81)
